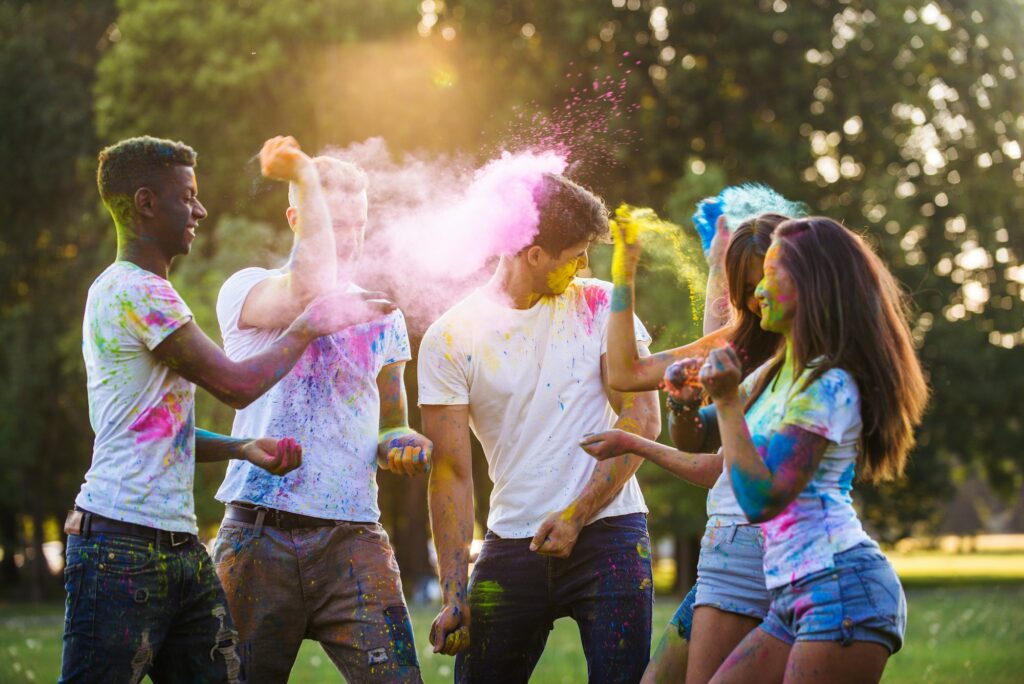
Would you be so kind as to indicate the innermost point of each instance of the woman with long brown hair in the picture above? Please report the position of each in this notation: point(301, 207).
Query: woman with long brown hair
point(843, 396)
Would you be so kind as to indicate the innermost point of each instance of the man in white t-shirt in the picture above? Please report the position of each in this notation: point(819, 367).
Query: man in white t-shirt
point(142, 597)
point(304, 556)
point(521, 362)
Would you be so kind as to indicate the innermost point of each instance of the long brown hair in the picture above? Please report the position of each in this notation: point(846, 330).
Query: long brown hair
point(748, 244)
point(852, 314)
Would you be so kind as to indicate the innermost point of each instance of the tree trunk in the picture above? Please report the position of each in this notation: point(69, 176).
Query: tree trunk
point(10, 543)
point(686, 549)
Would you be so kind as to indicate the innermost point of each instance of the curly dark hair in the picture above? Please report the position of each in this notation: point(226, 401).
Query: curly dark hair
point(130, 164)
point(569, 213)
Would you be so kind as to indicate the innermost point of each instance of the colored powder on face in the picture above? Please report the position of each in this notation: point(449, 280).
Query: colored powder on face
point(559, 279)
point(660, 238)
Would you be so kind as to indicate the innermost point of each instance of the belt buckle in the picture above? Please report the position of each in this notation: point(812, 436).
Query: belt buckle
point(179, 538)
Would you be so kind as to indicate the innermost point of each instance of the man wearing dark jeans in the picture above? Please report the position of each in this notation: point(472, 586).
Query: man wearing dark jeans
point(142, 596)
point(304, 556)
point(521, 361)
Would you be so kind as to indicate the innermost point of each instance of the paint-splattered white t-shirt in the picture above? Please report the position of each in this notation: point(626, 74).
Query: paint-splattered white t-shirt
point(532, 380)
point(821, 521)
point(329, 402)
point(143, 413)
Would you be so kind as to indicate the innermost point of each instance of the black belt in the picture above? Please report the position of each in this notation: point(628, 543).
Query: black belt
point(86, 524)
point(274, 518)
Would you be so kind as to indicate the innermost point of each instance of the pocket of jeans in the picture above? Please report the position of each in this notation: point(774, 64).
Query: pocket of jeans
point(623, 523)
point(883, 591)
point(229, 542)
point(400, 627)
point(116, 557)
point(372, 533)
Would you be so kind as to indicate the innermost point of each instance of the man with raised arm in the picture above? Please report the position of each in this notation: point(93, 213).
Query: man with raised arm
point(142, 595)
point(304, 556)
point(521, 361)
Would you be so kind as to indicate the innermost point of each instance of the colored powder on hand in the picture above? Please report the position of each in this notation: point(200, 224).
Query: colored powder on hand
point(660, 238)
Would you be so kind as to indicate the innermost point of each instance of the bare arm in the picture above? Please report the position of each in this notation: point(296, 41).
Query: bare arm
point(275, 302)
point(717, 312)
point(450, 497)
point(701, 470)
point(400, 449)
point(197, 358)
point(639, 414)
point(277, 456)
point(763, 486)
point(628, 371)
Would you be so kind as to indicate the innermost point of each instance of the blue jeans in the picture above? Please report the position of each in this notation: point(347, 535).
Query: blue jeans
point(859, 599)
point(135, 608)
point(605, 585)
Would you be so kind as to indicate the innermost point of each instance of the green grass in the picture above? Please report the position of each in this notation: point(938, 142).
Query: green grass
point(956, 634)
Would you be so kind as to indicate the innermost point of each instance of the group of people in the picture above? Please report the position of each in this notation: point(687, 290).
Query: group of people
point(807, 379)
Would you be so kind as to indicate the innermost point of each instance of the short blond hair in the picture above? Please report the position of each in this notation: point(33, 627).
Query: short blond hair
point(336, 176)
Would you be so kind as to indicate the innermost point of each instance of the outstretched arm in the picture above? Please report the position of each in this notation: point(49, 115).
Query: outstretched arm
point(639, 414)
point(701, 470)
point(450, 497)
point(275, 302)
point(277, 456)
point(190, 352)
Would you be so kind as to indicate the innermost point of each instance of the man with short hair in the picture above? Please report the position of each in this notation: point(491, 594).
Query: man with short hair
point(142, 596)
point(304, 556)
point(521, 361)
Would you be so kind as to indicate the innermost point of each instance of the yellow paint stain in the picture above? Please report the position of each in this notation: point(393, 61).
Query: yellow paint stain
point(568, 512)
point(670, 246)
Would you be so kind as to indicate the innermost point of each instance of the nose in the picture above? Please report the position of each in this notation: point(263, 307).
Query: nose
point(760, 292)
point(583, 261)
point(199, 211)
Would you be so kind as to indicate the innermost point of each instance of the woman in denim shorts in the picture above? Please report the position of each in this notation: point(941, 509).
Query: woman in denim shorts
point(844, 396)
point(730, 584)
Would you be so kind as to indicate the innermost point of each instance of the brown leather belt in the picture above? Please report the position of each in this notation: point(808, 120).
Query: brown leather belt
point(85, 524)
point(272, 517)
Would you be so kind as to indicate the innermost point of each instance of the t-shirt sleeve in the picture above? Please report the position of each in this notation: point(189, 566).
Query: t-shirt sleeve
point(827, 407)
point(230, 301)
point(150, 309)
point(397, 340)
point(442, 368)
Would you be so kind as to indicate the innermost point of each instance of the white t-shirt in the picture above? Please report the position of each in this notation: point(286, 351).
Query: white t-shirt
point(722, 507)
point(821, 521)
point(143, 413)
point(329, 402)
point(532, 380)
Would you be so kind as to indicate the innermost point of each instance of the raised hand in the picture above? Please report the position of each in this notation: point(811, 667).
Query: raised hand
point(276, 456)
point(282, 159)
point(721, 373)
point(626, 255)
point(336, 310)
point(608, 444)
point(719, 244)
point(405, 452)
point(449, 632)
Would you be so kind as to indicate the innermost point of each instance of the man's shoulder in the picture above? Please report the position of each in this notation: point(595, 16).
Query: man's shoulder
point(459, 317)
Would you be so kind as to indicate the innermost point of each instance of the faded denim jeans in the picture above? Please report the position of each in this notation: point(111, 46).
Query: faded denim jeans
point(605, 585)
point(336, 585)
point(137, 609)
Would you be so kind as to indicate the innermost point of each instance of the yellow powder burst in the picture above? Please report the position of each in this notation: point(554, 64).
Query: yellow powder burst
point(667, 246)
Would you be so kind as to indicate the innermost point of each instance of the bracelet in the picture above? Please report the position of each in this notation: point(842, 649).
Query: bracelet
point(678, 407)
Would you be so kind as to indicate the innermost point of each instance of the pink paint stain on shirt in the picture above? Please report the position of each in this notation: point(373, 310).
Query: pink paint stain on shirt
point(159, 422)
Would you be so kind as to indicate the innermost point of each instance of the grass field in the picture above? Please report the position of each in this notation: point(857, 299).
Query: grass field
point(966, 625)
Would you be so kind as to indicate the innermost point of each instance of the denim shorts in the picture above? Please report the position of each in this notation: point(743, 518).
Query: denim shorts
point(682, 619)
point(859, 599)
point(730, 571)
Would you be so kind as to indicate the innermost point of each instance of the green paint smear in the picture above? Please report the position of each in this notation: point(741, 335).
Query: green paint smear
point(487, 595)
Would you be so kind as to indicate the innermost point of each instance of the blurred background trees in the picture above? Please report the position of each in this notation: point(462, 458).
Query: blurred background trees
point(903, 119)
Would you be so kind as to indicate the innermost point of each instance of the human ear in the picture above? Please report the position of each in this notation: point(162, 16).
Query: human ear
point(292, 214)
point(145, 202)
point(534, 254)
